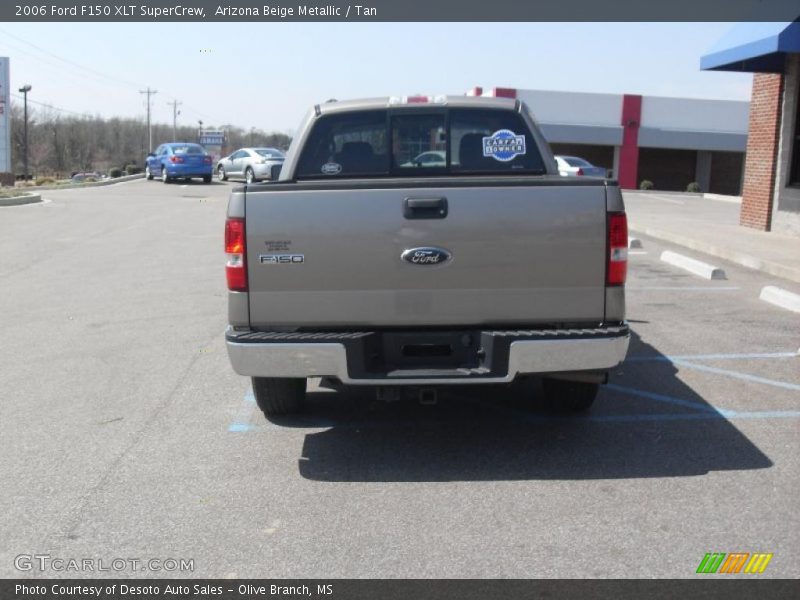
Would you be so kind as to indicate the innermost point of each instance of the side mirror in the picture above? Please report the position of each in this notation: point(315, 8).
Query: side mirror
point(275, 172)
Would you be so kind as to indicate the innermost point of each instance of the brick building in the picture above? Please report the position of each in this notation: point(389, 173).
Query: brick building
point(771, 190)
point(669, 141)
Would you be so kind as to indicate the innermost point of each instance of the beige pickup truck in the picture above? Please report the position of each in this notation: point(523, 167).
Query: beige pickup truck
point(422, 242)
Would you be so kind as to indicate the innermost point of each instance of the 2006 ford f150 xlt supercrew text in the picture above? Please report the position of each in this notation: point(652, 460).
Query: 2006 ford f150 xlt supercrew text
point(421, 242)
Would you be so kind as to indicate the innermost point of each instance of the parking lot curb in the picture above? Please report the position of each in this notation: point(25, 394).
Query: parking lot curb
point(72, 186)
point(697, 267)
point(780, 297)
point(20, 200)
point(735, 256)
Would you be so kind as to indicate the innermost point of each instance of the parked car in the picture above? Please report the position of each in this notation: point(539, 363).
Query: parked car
point(81, 177)
point(574, 166)
point(179, 160)
point(429, 159)
point(253, 164)
point(360, 270)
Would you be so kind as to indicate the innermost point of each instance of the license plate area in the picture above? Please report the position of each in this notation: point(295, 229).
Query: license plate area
point(394, 351)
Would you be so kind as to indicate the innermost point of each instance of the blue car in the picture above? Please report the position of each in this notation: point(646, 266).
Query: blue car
point(179, 160)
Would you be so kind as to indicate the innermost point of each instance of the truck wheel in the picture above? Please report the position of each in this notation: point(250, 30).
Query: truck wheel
point(279, 396)
point(569, 396)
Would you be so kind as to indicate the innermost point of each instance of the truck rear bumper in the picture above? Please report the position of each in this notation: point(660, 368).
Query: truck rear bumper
point(412, 358)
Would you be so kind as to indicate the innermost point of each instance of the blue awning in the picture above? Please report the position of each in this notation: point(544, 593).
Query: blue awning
point(754, 48)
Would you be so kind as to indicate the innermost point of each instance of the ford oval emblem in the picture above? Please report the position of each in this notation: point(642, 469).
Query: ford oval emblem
point(428, 255)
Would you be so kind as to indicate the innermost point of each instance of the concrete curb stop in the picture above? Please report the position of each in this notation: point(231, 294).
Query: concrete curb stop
point(697, 267)
point(780, 297)
point(728, 253)
point(20, 200)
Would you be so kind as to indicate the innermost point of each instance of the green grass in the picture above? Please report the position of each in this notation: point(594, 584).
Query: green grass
point(12, 192)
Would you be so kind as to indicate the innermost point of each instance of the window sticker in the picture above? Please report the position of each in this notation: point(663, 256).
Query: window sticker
point(331, 168)
point(504, 145)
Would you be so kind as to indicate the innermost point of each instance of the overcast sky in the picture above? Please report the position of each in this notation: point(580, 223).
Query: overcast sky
point(266, 75)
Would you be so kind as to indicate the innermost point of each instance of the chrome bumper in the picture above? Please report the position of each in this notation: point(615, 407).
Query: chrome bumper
point(329, 359)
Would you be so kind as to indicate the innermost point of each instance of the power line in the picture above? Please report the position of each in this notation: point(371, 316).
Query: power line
point(99, 74)
point(69, 62)
point(50, 106)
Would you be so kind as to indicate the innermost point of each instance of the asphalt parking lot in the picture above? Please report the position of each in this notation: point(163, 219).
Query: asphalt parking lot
point(127, 434)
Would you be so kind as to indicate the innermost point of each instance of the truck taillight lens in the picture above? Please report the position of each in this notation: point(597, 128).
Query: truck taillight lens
point(236, 267)
point(617, 268)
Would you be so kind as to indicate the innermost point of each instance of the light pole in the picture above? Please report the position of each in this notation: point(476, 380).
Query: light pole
point(24, 91)
point(175, 112)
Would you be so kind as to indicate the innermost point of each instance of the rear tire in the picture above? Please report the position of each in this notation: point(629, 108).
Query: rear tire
point(206, 178)
point(279, 396)
point(148, 173)
point(164, 177)
point(249, 176)
point(569, 396)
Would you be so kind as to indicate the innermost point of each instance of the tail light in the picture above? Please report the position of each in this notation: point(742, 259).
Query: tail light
point(175, 159)
point(580, 171)
point(236, 267)
point(207, 160)
point(617, 267)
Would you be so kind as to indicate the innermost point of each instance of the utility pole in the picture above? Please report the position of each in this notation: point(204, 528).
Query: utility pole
point(24, 91)
point(175, 112)
point(149, 93)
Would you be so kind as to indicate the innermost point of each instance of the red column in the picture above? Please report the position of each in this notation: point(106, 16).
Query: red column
point(629, 151)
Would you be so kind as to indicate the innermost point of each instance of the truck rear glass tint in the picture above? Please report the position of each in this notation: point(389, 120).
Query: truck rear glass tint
point(492, 141)
point(348, 145)
point(413, 143)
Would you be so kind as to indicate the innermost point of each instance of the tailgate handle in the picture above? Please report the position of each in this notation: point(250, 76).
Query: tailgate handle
point(425, 208)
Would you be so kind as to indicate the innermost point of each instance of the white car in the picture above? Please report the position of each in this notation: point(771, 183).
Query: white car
point(573, 166)
point(252, 164)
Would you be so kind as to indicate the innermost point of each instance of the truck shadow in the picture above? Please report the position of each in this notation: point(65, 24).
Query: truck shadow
point(501, 433)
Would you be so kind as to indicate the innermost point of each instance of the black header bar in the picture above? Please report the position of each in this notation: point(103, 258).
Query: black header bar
point(400, 10)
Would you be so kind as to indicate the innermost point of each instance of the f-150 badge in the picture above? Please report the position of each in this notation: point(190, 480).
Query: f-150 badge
point(504, 145)
point(428, 255)
point(281, 259)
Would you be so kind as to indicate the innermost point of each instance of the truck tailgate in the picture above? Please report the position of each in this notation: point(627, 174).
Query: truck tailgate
point(518, 254)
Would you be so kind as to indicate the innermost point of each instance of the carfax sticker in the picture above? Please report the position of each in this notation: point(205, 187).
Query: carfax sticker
point(504, 145)
point(331, 168)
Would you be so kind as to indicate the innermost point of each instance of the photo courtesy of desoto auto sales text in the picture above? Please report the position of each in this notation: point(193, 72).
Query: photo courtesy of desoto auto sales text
point(399, 300)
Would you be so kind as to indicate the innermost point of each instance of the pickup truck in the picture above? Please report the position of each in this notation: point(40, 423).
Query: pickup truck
point(363, 264)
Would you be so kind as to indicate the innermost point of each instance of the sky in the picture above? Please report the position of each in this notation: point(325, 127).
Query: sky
point(267, 75)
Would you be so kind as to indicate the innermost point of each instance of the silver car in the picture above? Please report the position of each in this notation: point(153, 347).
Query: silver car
point(573, 166)
point(253, 164)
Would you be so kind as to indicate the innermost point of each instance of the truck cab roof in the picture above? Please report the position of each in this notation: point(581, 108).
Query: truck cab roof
point(414, 102)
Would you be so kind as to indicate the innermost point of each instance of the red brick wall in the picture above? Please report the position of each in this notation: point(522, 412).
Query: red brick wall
point(762, 149)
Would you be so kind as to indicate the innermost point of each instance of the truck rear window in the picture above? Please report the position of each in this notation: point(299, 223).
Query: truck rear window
point(415, 143)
